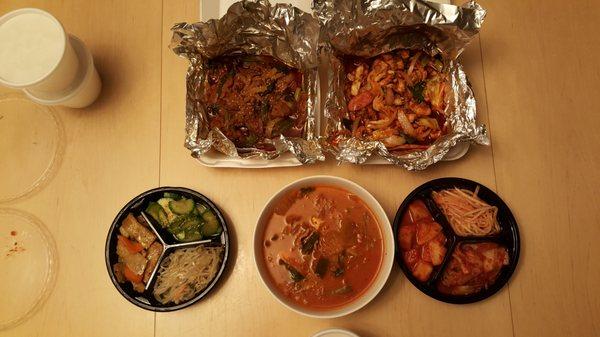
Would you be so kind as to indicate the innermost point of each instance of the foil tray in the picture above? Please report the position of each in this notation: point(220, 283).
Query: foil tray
point(216, 9)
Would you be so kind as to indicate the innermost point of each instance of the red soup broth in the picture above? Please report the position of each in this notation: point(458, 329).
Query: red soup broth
point(322, 247)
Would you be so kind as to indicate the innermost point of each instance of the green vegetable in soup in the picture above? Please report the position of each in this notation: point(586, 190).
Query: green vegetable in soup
point(295, 275)
point(321, 267)
point(304, 191)
point(308, 244)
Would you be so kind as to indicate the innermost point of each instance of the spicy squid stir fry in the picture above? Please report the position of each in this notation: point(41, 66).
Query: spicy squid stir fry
point(397, 98)
point(252, 99)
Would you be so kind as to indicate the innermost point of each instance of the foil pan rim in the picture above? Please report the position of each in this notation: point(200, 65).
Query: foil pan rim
point(253, 27)
point(385, 25)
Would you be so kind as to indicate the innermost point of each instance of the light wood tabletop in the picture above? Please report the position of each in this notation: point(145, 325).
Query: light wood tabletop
point(534, 69)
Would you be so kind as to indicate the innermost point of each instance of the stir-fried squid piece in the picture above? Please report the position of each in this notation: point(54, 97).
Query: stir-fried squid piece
point(252, 99)
point(396, 98)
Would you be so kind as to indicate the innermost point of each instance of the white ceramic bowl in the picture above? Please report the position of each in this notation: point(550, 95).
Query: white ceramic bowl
point(335, 333)
point(382, 220)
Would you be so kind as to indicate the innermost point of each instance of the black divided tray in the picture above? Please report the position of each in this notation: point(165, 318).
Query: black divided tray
point(508, 237)
point(138, 204)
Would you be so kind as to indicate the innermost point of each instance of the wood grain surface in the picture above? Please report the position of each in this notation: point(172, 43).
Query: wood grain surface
point(535, 74)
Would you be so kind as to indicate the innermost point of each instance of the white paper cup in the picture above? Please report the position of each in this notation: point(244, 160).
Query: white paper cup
point(85, 88)
point(36, 53)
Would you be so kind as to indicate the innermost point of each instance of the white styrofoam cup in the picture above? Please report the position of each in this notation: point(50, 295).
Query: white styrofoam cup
point(36, 53)
point(85, 88)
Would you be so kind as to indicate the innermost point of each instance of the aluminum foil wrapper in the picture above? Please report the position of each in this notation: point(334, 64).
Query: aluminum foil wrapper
point(367, 28)
point(250, 27)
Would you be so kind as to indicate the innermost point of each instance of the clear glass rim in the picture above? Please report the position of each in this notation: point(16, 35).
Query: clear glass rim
point(54, 162)
point(52, 266)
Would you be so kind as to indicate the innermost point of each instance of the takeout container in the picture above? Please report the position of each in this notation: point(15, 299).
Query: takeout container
point(508, 237)
point(256, 27)
point(146, 300)
point(68, 78)
point(386, 232)
point(348, 32)
point(453, 148)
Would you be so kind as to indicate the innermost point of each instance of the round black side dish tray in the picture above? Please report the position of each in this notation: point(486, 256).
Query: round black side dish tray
point(508, 237)
point(138, 204)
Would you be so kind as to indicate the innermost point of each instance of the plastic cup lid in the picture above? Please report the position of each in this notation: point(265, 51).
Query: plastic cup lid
point(28, 259)
point(34, 44)
point(32, 145)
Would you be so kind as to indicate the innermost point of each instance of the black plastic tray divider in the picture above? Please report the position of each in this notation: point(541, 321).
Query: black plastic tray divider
point(507, 237)
point(169, 246)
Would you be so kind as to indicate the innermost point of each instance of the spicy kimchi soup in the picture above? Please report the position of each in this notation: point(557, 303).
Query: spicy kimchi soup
point(322, 247)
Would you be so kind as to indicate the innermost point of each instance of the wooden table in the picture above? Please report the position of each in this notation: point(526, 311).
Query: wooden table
point(535, 72)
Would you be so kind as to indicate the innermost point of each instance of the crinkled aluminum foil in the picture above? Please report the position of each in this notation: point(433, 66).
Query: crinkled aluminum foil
point(251, 27)
point(367, 28)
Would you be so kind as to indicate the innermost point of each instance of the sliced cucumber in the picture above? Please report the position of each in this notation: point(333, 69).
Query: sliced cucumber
point(171, 195)
point(153, 209)
point(158, 213)
point(183, 218)
point(182, 206)
point(201, 209)
point(164, 202)
point(187, 228)
point(212, 226)
point(162, 218)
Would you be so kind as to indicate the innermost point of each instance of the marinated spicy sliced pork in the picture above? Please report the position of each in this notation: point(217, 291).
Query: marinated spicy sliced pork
point(253, 99)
